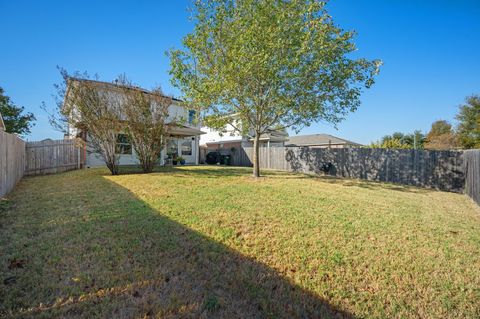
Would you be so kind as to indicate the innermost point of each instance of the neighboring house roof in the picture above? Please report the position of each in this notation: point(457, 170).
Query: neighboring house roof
point(317, 139)
point(2, 124)
point(273, 136)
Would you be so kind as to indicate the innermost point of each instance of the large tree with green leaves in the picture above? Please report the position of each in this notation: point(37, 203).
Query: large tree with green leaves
point(468, 119)
point(16, 120)
point(274, 64)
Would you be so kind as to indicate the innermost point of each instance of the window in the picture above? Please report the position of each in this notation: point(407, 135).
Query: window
point(123, 145)
point(191, 116)
point(187, 148)
point(172, 149)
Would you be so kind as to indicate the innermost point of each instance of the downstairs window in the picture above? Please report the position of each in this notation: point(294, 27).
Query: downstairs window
point(123, 145)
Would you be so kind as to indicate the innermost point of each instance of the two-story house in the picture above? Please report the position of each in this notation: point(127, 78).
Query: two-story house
point(183, 139)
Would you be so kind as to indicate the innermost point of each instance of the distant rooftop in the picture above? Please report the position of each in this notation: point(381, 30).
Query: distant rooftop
point(317, 139)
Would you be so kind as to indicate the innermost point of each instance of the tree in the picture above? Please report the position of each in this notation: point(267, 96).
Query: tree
point(398, 140)
point(441, 136)
point(96, 111)
point(416, 140)
point(393, 143)
point(440, 127)
point(274, 64)
point(469, 122)
point(145, 116)
point(92, 108)
point(16, 121)
point(107, 115)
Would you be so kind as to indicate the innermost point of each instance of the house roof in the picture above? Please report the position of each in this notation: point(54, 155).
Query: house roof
point(2, 124)
point(114, 85)
point(273, 136)
point(183, 130)
point(317, 139)
point(223, 142)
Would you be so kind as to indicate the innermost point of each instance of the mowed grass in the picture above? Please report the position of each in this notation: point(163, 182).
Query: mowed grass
point(211, 242)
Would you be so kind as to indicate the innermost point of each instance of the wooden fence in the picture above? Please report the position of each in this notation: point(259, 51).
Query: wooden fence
point(442, 170)
point(472, 174)
point(48, 157)
point(19, 158)
point(12, 161)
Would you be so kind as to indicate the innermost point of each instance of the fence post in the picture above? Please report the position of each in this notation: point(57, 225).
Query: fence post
point(78, 157)
point(268, 158)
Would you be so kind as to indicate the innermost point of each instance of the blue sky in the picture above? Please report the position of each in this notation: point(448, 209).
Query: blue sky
point(430, 50)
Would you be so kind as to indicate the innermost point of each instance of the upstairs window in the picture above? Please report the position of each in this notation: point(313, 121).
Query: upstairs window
point(123, 145)
point(191, 116)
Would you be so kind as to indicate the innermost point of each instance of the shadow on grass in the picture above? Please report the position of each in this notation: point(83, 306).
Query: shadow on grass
point(372, 185)
point(213, 171)
point(121, 258)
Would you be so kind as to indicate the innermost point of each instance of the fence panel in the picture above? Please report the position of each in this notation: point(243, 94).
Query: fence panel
point(472, 174)
point(49, 157)
point(12, 161)
point(442, 170)
point(241, 157)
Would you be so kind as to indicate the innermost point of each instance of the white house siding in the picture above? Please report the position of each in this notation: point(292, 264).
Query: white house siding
point(96, 160)
point(213, 135)
point(231, 135)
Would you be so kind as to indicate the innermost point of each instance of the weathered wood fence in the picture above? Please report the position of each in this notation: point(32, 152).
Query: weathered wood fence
point(472, 174)
point(49, 157)
point(19, 158)
point(12, 161)
point(443, 170)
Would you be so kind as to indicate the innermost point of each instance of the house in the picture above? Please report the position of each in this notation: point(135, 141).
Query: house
point(223, 141)
point(2, 124)
point(320, 141)
point(183, 139)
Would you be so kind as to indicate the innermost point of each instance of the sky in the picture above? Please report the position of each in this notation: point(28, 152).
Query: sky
point(430, 50)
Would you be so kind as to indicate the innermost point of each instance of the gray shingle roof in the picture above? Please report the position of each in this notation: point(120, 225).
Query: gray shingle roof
point(110, 84)
point(317, 139)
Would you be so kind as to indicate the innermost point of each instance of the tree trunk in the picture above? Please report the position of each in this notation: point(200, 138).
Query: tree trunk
point(112, 167)
point(147, 164)
point(256, 161)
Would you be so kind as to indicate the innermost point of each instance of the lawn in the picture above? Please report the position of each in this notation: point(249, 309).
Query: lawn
point(212, 242)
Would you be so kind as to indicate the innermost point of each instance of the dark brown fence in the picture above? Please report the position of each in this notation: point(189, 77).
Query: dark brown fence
point(472, 174)
point(443, 170)
point(49, 156)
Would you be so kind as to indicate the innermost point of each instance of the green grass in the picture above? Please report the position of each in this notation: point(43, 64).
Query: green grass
point(212, 242)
